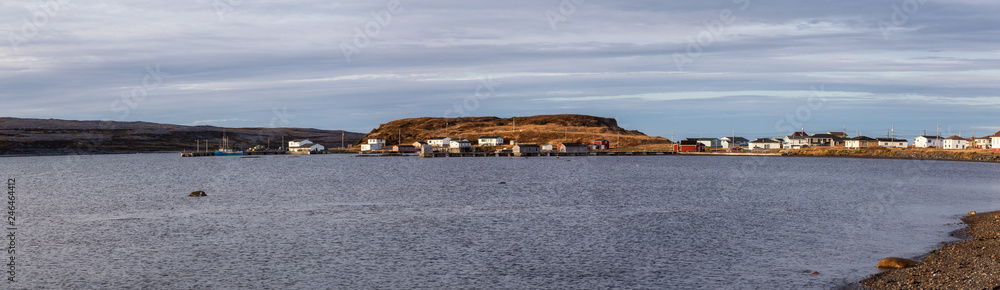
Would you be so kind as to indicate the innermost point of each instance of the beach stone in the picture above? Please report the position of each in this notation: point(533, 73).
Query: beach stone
point(896, 262)
point(198, 193)
point(972, 213)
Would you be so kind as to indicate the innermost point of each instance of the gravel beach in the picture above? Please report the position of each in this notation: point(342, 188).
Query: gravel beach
point(970, 264)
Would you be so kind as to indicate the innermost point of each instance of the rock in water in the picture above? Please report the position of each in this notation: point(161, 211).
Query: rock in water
point(198, 193)
point(895, 262)
point(972, 213)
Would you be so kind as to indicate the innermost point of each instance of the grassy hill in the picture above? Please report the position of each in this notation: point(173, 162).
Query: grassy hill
point(544, 129)
point(57, 137)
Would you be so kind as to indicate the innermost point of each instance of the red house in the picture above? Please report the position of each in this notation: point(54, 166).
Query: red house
point(689, 146)
point(601, 144)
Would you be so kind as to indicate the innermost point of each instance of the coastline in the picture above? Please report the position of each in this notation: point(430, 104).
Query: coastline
point(970, 264)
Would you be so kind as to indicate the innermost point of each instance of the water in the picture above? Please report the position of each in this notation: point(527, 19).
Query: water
point(337, 221)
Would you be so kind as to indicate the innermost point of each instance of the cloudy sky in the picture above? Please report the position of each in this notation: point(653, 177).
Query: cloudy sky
point(686, 68)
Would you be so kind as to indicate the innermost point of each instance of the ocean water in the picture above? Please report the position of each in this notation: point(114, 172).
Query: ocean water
point(344, 222)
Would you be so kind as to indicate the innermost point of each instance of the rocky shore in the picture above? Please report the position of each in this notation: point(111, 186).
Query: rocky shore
point(970, 264)
point(975, 155)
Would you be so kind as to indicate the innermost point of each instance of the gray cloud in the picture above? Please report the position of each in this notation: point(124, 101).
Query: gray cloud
point(241, 62)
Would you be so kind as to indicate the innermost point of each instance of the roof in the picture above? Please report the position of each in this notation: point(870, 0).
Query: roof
point(838, 134)
point(891, 139)
point(796, 137)
point(572, 145)
point(862, 138)
point(402, 146)
point(421, 142)
point(300, 141)
point(996, 135)
point(803, 133)
point(689, 142)
point(460, 140)
point(824, 136)
point(765, 140)
point(930, 137)
point(601, 140)
point(735, 139)
point(527, 145)
point(707, 139)
point(955, 138)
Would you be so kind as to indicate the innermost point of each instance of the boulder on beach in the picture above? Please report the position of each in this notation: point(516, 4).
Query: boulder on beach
point(972, 213)
point(895, 262)
point(198, 193)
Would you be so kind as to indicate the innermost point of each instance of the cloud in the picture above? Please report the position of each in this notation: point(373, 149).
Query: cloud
point(608, 58)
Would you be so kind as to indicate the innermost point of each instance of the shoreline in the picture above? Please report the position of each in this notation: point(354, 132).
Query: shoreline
point(973, 263)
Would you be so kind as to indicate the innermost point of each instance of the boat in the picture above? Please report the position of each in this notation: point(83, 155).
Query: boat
point(225, 150)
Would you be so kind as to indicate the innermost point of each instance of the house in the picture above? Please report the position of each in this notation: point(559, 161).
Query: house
point(526, 149)
point(764, 143)
point(462, 144)
point(439, 141)
point(513, 142)
point(995, 142)
point(955, 142)
point(547, 147)
point(729, 142)
point(491, 141)
point(689, 145)
point(419, 144)
point(841, 135)
point(892, 142)
point(572, 148)
point(600, 144)
point(709, 142)
point(824, 140)
point(797, 141)
point(860, 142)
point(404, 149)
point(299, 143)
point(373, 144)
point(308, 148)
point(928, 141)
point(981, 143)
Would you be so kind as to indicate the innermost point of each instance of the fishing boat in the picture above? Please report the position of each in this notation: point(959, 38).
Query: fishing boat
point(225, 150)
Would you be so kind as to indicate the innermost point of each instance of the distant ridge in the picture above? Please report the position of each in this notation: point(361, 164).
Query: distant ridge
point(19, 136)
point(542, 129)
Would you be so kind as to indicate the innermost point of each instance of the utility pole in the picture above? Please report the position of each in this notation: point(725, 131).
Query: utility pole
point(341, 138)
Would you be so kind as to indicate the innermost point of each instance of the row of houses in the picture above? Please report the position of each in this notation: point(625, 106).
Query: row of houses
point(458, 145)
point(800, 140)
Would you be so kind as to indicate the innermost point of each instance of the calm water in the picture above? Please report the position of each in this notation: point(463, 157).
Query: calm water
point(329, 221)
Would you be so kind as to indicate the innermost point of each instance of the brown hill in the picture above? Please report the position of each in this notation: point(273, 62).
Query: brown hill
point(544, 129)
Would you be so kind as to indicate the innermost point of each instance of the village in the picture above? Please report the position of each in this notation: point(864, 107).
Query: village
point(501, 146)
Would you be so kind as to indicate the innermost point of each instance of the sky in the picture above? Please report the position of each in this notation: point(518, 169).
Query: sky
point(675, 69)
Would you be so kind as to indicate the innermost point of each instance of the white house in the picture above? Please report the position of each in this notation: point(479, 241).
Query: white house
point(955, 142)
point(309, 147)
point(764, 143)
point(995, 141)
point(439, 141)
point(491, 141)
point(796, 142)
point(892, 142)
point(547, 147)
point(460, 143)
point(928, 141)
point(728, 142)
point(299, 143)
point(373, 144)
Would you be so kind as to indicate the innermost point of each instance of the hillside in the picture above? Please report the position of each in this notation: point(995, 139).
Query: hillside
point(57, 137)
point(545, 129)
